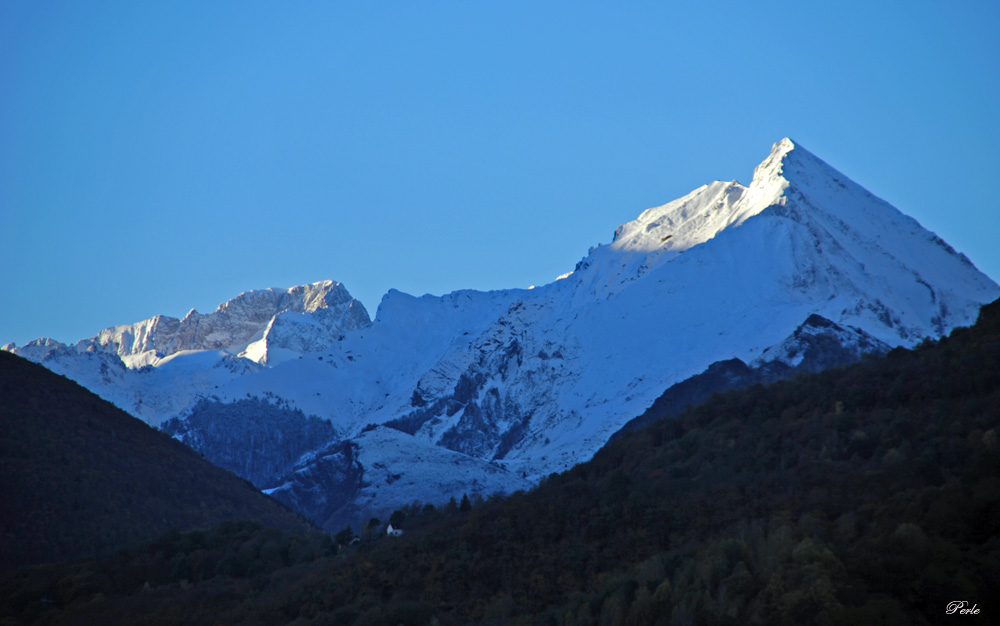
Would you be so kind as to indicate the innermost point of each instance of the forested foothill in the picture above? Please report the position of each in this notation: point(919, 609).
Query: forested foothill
point(80, 478)
point(869, 494)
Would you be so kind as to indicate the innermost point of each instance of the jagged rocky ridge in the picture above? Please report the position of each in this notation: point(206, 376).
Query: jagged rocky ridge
point(159, 367)
point(803, 268)
point(300, 319)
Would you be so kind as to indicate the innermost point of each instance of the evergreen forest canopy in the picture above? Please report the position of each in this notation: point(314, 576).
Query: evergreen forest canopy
point(865, 494)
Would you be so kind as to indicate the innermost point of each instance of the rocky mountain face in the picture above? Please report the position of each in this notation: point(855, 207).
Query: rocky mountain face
point(800, 270)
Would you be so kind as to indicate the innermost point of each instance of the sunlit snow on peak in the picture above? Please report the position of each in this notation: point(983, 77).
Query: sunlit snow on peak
point(685, 222)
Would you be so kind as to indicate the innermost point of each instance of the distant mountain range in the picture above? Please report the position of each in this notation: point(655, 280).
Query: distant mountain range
point(344, 418)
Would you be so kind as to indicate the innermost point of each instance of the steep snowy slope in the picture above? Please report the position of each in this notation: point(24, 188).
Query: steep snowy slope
point(542, 377)
point(526, 382)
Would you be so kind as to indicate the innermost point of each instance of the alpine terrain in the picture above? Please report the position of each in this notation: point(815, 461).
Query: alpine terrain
point(479, 392)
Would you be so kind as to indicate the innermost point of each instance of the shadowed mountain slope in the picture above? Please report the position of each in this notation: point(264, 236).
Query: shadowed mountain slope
point(82, 478)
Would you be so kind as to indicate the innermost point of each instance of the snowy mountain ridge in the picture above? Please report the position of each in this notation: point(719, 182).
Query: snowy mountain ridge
point(158, 367)
point(247, 325)
point(524, 382)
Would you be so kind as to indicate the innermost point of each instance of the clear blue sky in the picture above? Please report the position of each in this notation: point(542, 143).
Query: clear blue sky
point(156, 157)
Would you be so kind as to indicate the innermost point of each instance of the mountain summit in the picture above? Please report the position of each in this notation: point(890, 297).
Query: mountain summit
point(708, 210)
point(817, 233)
point(483, 391)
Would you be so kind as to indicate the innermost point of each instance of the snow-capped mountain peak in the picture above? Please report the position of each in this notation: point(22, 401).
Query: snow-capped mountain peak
point(800, 269)
point(705, 212)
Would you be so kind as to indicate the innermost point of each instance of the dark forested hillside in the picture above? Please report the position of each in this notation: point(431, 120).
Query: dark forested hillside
point(253, 438)
point(864, 495)
point(81, 478)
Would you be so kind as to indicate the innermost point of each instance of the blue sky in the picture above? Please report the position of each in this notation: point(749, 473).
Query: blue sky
point(156, 157)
